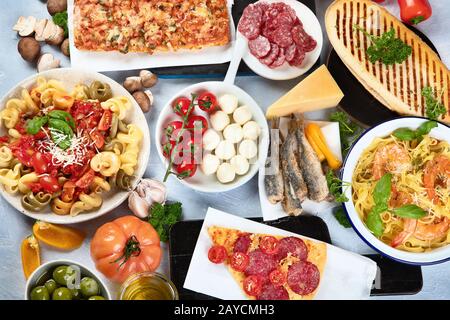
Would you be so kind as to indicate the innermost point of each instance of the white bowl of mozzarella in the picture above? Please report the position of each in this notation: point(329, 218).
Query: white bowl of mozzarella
point(69, 78)
point(235, 144)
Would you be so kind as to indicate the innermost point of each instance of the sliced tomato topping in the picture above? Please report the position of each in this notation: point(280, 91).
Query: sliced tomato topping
point(269, 245)
point(105, 121)
point(277, 277)
point(98, 138)
point(49, 184)
point(86, 180)
point(253, 285)
point(239, 261)
point(217, 254)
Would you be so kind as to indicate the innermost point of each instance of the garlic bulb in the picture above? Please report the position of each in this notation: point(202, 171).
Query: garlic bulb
point(147, 192)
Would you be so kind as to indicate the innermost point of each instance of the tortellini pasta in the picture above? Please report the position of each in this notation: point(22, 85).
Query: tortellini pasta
point(132, 140)
point(119, 105)
point(121, 181)
point(25, 181)
point(61, 207)
point(9, 178)
point(36, 202)
point(87, 202)
point(6, 156)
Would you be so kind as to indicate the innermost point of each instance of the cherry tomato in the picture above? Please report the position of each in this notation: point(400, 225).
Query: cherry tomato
point(269, 244)
point(192, 150)
point(105, 121)
point(253, 285)
point(239, 261)
point(217, 254)
point(181, 106)
point(172, 130)
point(4, 139)
point(277, 277)
point(414, 11)
point(207, 102)
point(49, 184)
point(196, 122)
point(39, 163)
point(186, 169)
point(98, 138)
point(86, 180)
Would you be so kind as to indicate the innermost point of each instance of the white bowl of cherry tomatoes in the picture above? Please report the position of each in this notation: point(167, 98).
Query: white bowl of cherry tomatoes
point(212, 136)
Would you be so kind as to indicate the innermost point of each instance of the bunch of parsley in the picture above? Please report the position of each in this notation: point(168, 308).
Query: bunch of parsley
point(163, 216)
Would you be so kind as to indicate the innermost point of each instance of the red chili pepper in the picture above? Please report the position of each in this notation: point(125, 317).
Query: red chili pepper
point(414, 11)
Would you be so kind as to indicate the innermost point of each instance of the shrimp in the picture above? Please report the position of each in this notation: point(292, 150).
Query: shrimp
point(390, 158)
point(437, 172)
point(424, 232)
point(399, 198)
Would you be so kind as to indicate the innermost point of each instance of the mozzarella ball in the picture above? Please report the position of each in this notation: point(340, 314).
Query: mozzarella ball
point(225, 150)
point(210, 139)
point(242, 114)
point(251, 130)
point(225, 173)
point(233, 132)
point(210, 163)
point(248, 149)
point(219, 120)
point(240, 164)
point(228, 103)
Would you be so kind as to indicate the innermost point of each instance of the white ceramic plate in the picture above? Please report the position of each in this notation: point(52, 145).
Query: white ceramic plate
point(70, 77)
point(200, 181)
point(442, 132)
point(312, 27)
point(275, 211)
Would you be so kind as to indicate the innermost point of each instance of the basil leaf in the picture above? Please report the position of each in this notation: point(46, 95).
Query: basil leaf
point(409, 211)
point(64, 116)
point(35, 124)
point(382, 191)
point(425, 128)
point(374, 222)
point(63, 144)
point(404, 134)
point(61, 126)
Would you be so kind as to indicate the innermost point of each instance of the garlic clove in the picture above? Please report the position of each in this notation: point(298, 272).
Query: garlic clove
point(138, 205)
point(152, 191)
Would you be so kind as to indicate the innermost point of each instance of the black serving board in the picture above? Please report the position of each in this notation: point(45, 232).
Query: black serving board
point(359, 103)
point(218, 70)
point(394, 278)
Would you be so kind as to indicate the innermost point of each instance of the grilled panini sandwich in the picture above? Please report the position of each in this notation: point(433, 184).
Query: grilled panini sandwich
point(398, 86)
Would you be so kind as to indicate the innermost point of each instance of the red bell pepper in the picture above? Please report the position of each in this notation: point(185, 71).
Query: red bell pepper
point(414, 11)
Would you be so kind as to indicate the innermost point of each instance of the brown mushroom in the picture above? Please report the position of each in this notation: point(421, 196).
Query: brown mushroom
point(132, 84)
point(29, 49)
point(65, 47)
point(148, 78)
point(47, 62)
point(144, 99)
point(55, 6)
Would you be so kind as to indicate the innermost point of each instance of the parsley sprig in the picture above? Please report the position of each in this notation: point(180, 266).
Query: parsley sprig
point(387, 48)
point(335, 185)
point(348, 130)
point(163, 217)
point(434, 108)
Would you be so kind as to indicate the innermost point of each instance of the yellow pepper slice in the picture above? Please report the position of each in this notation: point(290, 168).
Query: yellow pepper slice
point(30, 253)
point(314, 133)
point(61, 237)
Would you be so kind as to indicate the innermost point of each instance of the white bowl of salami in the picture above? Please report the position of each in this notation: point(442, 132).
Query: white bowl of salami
point(284, 38)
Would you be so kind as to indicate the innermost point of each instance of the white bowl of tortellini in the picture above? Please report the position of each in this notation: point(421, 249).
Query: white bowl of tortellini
point(235, 144)
point(117, 165)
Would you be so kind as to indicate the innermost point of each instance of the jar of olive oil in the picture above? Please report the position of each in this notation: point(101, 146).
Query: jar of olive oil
point(148, 286)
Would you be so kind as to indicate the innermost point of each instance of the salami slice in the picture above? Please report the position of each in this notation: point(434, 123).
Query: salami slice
point(290, 52)
point(283, 19)
point(280, 59)
point(303, 277)
point(272, 292)
point(273, 54)
point(260, 264)
point(302, 39)
point(259, 47)
point(282, 36)
point(242, 243)
point(293, 245)
point(250, 22)
point(298, 58)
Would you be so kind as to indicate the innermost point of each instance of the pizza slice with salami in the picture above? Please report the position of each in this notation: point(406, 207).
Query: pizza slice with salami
point(269, 267)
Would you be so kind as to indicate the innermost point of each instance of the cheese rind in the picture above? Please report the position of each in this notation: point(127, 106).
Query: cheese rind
point(317, 91)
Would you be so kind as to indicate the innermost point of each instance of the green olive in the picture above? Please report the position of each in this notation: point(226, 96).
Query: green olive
point(100, 91)
point(40, 293)
point(64, 275)
point(76, 294)
point(89, 287)
point(96, 298)
point(51, 285)
point(62, 294)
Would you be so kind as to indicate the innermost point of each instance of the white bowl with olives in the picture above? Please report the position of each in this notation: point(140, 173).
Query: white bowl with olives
point(65, 280)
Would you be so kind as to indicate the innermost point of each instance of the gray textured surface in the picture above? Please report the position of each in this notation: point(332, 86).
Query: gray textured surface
point(243, 201)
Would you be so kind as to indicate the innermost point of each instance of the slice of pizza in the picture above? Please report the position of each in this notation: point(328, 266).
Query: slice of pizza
point(268, 267)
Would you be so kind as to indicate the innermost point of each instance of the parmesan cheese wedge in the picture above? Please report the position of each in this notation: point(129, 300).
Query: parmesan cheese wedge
point(317, 91)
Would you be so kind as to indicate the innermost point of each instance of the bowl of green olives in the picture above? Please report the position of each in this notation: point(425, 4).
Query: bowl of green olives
point(65, 280)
